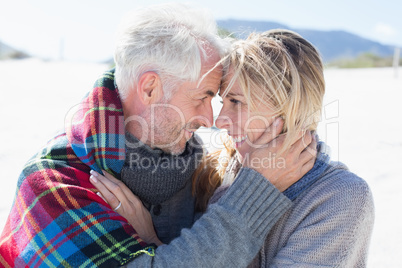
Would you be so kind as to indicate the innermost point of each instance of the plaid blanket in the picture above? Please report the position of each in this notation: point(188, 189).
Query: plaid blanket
point(57, 220)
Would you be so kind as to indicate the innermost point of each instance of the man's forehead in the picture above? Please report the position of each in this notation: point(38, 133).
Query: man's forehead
point(204, 91)
point(210, 82)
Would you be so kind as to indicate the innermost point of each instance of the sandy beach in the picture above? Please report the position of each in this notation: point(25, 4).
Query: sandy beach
point(361, 122)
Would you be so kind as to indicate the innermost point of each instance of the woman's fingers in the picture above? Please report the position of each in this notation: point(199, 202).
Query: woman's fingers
point(107, 195)
point(308, 157)
point(307, 167)
point(120, 184)
point(270, 134)
point(109, 184)
point(310, 152)
point(101, 196)
point(129, 206)
point(110, 176)
point(119, 189)
point(111, 191)
point(302, 142)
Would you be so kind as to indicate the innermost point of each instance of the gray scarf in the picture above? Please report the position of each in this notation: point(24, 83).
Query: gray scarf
point(155, 176)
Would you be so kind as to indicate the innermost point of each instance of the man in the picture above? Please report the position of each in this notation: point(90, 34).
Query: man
point(146, 111)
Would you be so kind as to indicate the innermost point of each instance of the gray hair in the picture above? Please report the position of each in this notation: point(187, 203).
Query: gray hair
point(169, 39)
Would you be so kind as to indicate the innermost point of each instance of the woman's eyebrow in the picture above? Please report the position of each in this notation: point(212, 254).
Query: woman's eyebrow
point(231, 94)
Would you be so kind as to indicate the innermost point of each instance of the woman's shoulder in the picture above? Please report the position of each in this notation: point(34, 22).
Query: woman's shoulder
point(339, 186)
point(339, 175)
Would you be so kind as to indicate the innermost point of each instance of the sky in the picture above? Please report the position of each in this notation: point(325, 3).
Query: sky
point(83, 30)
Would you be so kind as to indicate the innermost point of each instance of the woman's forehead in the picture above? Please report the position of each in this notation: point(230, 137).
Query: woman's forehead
point(230, 86)
point(233, 90)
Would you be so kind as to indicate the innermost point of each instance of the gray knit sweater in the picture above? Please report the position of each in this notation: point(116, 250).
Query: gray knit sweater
point(328, 225)
point(229, 234)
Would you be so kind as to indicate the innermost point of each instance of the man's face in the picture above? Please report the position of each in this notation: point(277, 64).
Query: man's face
point(188, 109)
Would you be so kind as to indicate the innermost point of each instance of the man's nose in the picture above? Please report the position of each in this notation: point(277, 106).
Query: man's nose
point(207, 115)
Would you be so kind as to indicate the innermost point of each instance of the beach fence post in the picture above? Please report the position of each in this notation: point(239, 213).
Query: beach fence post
point(396, 61)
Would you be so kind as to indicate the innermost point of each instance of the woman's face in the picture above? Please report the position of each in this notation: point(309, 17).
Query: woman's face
point(243, 125)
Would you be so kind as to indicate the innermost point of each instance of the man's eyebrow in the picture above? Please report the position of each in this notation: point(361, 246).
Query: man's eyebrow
point(210, 93)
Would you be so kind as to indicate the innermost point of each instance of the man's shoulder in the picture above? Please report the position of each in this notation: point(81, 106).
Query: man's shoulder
point(55, 159)
point(57, 148)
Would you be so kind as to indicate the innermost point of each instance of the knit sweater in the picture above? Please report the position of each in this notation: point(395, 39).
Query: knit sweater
point(230, 233)
point(328, 225)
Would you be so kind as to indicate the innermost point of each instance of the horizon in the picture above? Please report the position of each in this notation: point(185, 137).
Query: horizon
point(75, 27)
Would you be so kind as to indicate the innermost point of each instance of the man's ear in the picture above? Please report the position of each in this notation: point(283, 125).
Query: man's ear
point(149, 88)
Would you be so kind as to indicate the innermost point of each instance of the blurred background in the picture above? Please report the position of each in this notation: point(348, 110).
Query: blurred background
point(84, 30)
point(51, 52)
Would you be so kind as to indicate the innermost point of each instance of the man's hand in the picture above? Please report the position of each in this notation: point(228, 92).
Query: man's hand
point(285, 169)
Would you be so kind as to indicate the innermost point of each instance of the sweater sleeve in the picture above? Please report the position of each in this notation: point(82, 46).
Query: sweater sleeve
point(232, 230)
point(334, 228)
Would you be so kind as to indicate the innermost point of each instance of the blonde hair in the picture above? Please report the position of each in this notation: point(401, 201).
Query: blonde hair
point(209, 174)
point(281, 70)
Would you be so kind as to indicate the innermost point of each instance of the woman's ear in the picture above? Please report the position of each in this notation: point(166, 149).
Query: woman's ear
point(149, 88)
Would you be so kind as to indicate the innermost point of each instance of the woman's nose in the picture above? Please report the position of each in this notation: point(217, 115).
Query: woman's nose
point(223, 121)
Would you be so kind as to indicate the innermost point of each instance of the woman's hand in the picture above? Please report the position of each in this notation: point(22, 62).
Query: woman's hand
point(283, 170)
point(128, 205)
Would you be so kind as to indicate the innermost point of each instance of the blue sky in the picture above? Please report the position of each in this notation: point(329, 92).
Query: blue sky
point(86, 27)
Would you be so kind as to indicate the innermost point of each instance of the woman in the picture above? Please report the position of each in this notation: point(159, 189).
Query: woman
point(280, 74)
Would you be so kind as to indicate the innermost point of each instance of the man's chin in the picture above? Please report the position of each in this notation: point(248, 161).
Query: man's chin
point(176, 149)
point(177, 152)
point(179, 148)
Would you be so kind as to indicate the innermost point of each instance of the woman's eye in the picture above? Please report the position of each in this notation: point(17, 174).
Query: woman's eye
point(234, 101)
